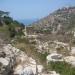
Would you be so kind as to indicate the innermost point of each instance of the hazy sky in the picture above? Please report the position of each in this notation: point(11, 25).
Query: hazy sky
point(30, 9)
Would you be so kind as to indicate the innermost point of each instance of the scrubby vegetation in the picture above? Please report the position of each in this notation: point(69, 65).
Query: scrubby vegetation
point(30, 50)
point(62, 67)
point(9, 26)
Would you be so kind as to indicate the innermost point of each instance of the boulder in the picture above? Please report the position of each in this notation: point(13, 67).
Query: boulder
point(70, 60)
point(54, 57)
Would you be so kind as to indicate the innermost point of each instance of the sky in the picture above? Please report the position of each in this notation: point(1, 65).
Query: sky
point(33, 9)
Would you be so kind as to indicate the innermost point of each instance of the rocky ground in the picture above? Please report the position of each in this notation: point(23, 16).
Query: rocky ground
point(13, 61)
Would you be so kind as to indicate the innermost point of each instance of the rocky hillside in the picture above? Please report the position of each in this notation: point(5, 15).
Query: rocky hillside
point(60, 21)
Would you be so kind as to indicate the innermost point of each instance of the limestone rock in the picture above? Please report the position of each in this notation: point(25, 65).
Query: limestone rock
point(54, 57)
point(70, 60)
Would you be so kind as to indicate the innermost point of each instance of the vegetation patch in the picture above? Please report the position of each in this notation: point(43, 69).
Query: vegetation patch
point(62, 67)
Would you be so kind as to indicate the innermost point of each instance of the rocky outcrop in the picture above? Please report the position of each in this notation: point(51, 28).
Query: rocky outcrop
point(13, 61)
point(7, 59)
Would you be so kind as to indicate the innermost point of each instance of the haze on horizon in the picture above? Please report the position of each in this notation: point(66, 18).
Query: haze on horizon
point(33, 9)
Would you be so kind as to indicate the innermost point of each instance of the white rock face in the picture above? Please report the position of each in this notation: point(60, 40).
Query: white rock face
point(54, 57)
point(4, 61)
point(70, 60)
point(10, 50)
point(27, 66)
point(73, 51)
point(27, 71)
point(24, 65)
